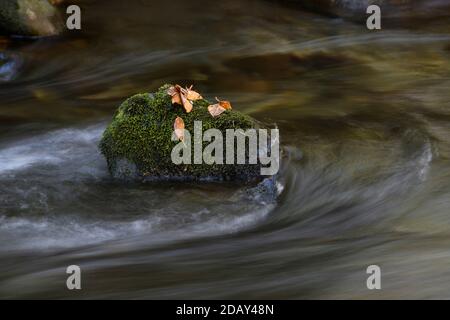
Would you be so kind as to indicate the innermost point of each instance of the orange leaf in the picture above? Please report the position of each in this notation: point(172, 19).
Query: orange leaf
point(187, 104)
point(176, 99)
point(175, 93)
point(192, 95)
point(216, 110)
point(179, 128)
point(224, 104)
point(183, 97)
point(171, 91)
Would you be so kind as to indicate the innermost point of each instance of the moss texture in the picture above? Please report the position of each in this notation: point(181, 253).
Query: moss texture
point(137, 143)
point(29, 18)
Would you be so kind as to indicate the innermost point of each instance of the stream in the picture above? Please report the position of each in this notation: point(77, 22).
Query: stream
point(364, 120)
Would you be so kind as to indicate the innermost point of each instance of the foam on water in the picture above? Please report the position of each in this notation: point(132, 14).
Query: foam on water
point(76, 145)
point(48, 178)
point(68, 232)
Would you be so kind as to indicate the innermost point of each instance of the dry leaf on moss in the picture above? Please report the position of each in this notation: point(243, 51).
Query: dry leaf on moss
point(183, 96)
point(179, 128)
point(224, 104)
point(174, 92)
point(187, 104)
point(192, 95)
point(217, 109)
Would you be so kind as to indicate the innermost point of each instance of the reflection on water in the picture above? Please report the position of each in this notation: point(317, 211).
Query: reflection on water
point(364, 118)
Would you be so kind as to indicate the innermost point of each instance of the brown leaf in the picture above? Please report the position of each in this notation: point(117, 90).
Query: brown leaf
point(215, 110)
point(179, 128)
point(218, 108)
point(187, 104)
point(176, 99)
point(175, 93)
point(224, 104)
point(183, 97)
point(192, 95)
point(171, 91)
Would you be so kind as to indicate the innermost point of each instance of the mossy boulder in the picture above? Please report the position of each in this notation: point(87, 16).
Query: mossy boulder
point(138, 143)
point(29, 18)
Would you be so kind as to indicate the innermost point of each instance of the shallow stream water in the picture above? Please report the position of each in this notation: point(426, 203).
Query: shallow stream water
point(364, 119)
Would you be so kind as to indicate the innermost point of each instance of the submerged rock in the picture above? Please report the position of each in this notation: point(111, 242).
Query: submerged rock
point(138, 143)
point(29, 18)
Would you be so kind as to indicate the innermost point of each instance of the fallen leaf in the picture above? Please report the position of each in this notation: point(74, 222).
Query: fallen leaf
point(218, 108)
point(224, 104)
point(174, 92)
point(171, 91)
point(215, 110)
point(183, 96)
point(179, 128)
point(187, 104)
point(192, 95)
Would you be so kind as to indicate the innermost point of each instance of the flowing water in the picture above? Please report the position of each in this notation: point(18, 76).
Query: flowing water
point(364, 119)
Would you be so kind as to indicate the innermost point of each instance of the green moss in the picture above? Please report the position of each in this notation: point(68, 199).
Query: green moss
point(141, 132)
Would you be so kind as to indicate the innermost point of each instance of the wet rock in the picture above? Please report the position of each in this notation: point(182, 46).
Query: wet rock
point(138, 143)
point(29, 18)
point(9, 65)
